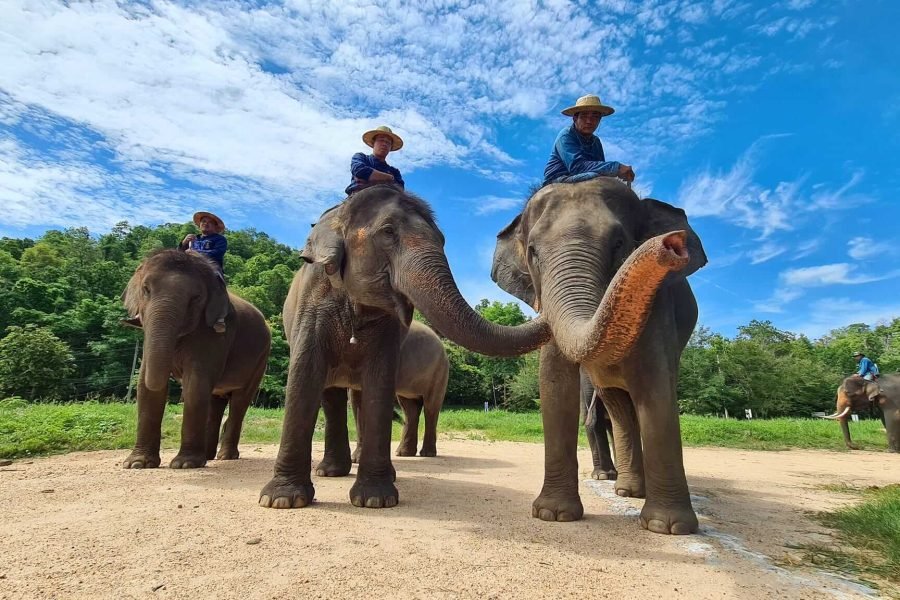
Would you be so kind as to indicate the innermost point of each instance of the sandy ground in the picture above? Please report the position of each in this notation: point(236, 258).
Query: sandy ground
point(79, 526)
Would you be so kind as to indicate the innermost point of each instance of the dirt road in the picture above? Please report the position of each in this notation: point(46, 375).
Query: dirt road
point(79, 526)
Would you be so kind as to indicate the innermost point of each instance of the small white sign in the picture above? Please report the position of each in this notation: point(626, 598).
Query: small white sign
point(855, 418)
point(487, 407)
point(748, 413)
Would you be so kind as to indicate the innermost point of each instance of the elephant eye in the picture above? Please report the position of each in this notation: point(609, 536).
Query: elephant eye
point(146, 289)
point(388, 231)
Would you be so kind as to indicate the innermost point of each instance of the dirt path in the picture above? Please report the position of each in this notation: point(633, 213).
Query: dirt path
point(80, 526)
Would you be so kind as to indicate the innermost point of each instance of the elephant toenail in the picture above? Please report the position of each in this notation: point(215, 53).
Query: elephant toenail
point(374, 503)
point(657, 526)
point(681, 529)
point(265, 501)
point(547, 515)
point(281, 502)
point(300, 502)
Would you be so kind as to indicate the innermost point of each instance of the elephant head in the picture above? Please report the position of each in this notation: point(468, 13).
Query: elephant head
point(858, 395)
point(590, 258)
point(384, 249)
point(175, 293)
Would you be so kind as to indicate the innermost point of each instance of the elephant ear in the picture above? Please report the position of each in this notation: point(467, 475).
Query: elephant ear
point(325, 245)
point(660, 218)
point(510, 271)
point(217, 304)
point(131, 295)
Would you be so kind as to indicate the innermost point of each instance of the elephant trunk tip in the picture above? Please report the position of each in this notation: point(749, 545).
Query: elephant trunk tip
point(676, 242)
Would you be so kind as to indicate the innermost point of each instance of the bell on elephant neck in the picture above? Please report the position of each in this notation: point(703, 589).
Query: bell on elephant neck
point(352, 339)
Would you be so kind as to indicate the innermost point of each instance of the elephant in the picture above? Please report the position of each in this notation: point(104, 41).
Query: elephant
point(422, 375)
point(179, 297)
point(857, 394)
point(608, 271)
point(598, 428)
point(369, 261)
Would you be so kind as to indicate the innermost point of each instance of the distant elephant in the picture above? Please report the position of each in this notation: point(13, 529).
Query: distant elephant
point(371, 259)
point(179, 297)
point(598, 428)
point(857, 395)
point(422, 375)
point(608, 271)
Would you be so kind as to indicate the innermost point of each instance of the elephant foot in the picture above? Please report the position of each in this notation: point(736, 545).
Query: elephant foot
point(605, 474)
point(141, 460)
point(333, 467)
point(354, 458)
point(671, 520)
point(429, 452)
point(188, 461)
point(374, 493)
point(227, 453)
point(630, 486)
point(406, 450)
point(550, 508)
point(282, 493)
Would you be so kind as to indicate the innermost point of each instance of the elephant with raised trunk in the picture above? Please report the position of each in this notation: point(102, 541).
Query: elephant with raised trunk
point(347, 313)
point(608, 271)
point(856, 394)
point(179, 297)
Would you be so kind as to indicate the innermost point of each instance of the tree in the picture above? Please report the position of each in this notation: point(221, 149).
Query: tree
point(34, 363)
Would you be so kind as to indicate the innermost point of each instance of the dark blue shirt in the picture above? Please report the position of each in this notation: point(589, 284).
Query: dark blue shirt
point(574, 154)
point(212, 246)
point(865, 367)
point(361, 167)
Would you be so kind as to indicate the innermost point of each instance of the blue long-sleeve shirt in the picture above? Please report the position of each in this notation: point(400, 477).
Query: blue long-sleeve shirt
point(574, 154)
point(865, 367)
point(213, 246)
point(361, 167)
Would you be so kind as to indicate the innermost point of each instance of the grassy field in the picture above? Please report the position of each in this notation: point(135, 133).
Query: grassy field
point(869, 539)
point(37, 429)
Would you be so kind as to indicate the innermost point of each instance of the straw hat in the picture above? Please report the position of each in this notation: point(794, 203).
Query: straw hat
point(855, 354)
point(589, 103)
point(220, 224)
point(369, 137)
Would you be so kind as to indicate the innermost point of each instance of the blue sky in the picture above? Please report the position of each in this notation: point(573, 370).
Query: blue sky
point(775, 125)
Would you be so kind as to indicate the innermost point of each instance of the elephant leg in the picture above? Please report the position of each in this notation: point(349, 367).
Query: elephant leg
point(336, 462)
point(197, 392)
point(217, 406)
point(667, 508)
point(150, 408)
point(595, 430)
point(374, 486)
point(433, 402)
point(412, 409)
point(291, 486)
point(627, 441)
point(237, 409)
point(845, 429)
point(355, 400)
point(559, 499)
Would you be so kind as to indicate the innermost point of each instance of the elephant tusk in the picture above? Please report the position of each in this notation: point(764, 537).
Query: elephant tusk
point(838, 416)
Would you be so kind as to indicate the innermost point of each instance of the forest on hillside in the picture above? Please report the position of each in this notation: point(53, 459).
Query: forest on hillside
point(61, 339)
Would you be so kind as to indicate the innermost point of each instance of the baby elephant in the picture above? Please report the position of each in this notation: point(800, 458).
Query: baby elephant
point(179, 297)
point(421, 383)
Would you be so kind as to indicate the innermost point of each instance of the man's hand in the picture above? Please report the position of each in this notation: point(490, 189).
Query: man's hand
point(380, 176)
point(626, 173)
point(188, 239)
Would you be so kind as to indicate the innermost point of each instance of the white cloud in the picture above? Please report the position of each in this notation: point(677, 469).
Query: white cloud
point(486, 205)
point(806, 248)
point(860, 248)
point(766, 252)
point(834, 274)
point(827, 314)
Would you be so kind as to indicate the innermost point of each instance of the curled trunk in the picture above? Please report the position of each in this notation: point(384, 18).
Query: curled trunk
point(425, 278)
point(609, 334)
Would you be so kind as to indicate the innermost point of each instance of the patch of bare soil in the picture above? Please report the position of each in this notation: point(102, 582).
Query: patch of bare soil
point(80, 526)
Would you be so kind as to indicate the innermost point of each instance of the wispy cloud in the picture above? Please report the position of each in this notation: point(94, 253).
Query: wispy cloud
point(486, 205)
point(860, 248)
point(766, 252)
point(827, 314)
point(806, 248)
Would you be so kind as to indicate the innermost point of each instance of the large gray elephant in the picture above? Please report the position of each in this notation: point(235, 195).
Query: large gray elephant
point(607, 271)
point(346, 315)
point(858, 395)
point(598, 429)
point(179, 297)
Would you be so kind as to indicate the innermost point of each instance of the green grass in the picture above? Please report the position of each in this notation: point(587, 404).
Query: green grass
point(37, 429)
point(869, 539)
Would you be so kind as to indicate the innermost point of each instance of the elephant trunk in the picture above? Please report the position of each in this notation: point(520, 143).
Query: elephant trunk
point(425, 278)
point(609, 334)
point(160, 335)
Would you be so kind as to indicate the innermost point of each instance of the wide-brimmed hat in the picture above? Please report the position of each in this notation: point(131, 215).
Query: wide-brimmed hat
point(589, 103)
point(855, 354)
point(369, 137)
point(220, 224)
